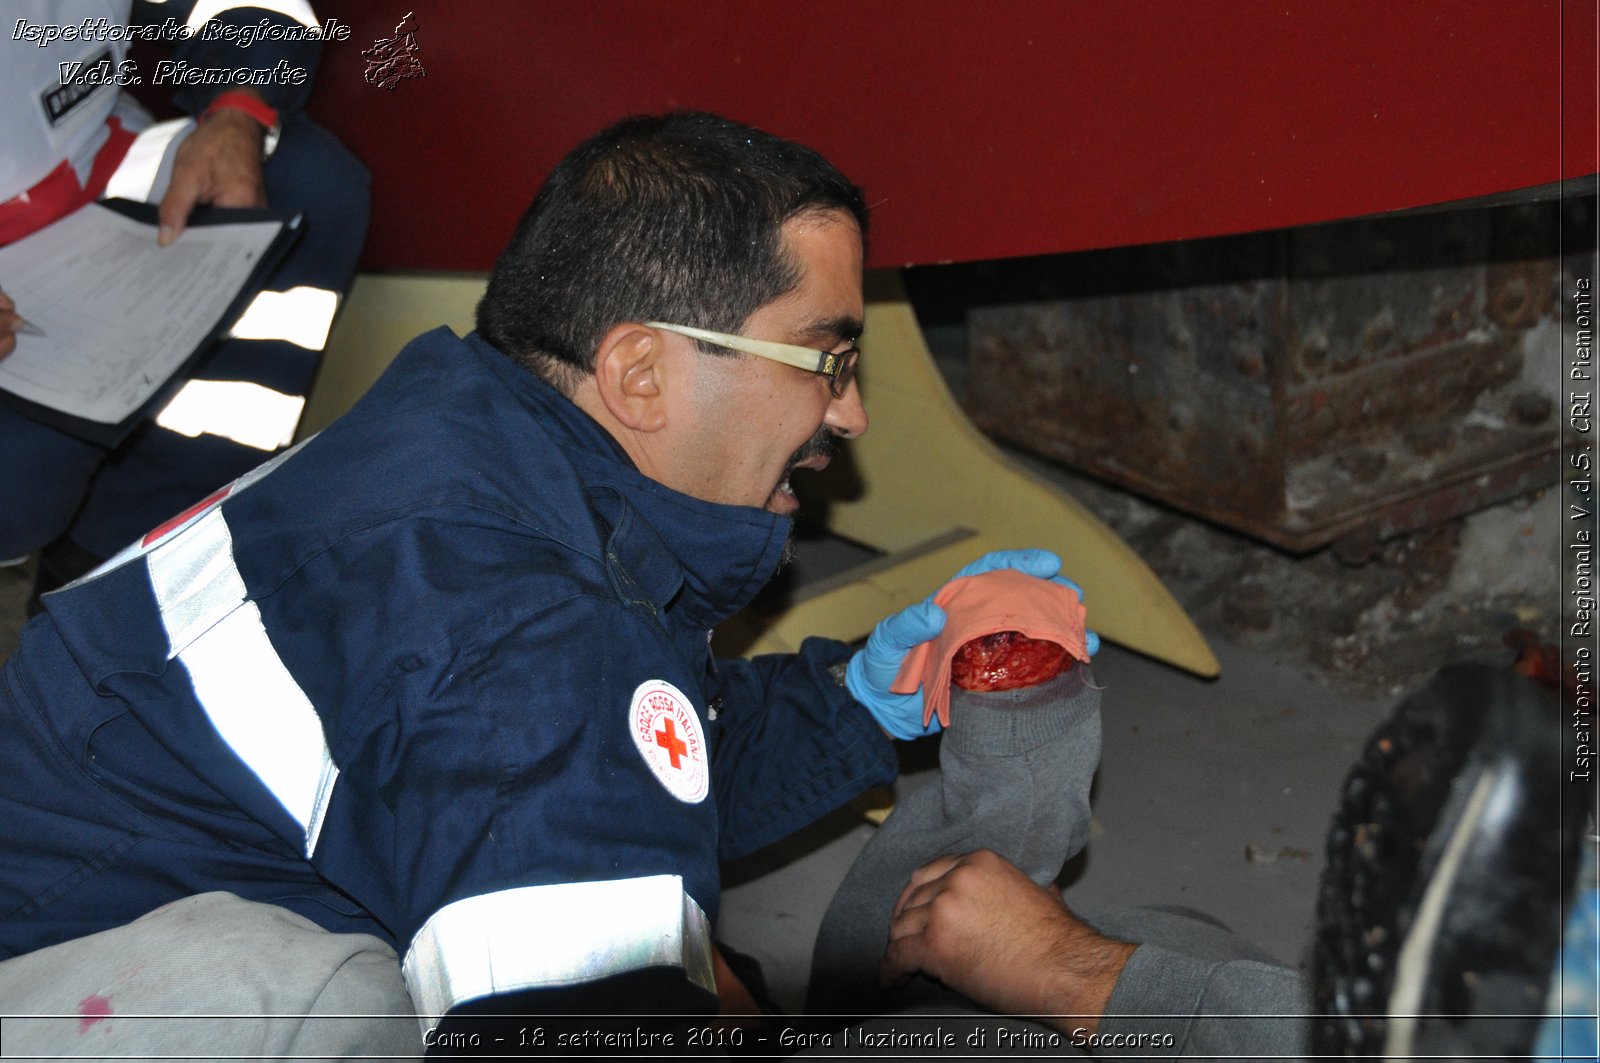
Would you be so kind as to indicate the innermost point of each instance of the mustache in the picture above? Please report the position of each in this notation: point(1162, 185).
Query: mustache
point(824, 444)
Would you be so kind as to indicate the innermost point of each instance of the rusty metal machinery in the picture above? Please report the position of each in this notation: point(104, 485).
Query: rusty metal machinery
point(1338, 383)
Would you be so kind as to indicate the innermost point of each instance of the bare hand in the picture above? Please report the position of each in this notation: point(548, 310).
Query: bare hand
point(219, 163)
point(982, 927)
point(9, 323)
point(739, 1009)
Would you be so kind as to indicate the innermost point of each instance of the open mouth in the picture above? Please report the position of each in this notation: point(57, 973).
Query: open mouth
point(783, 498)
point(815, 455)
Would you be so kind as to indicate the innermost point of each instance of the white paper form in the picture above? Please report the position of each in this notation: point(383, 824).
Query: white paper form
point(120, 313)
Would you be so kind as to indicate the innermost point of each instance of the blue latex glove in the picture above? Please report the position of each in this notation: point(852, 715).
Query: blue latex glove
point(873, 668)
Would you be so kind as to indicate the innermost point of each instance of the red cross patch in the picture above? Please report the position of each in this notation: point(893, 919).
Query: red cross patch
point(666, 731)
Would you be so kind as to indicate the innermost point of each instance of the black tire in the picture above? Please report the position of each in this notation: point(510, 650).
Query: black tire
point(1449, 860)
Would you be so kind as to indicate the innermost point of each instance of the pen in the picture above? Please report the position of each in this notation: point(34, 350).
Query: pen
point(24, 326)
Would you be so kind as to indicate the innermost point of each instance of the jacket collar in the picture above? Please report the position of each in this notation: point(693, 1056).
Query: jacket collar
point(702, 560)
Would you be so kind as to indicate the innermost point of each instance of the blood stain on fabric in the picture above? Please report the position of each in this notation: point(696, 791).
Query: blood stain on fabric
point(94, 1008)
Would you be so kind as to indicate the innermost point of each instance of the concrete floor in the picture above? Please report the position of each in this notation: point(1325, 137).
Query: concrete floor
point(15, 581)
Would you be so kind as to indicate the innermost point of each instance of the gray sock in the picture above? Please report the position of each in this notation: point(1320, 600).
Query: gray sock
point(1015, 770)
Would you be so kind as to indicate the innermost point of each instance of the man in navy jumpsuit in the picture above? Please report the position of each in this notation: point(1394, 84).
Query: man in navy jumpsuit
point(441, 674)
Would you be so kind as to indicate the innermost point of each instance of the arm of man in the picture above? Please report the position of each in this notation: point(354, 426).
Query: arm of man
point(980, 926)
point(801, 734)
point(525, 849)
point(220, 163)
point(790, 744)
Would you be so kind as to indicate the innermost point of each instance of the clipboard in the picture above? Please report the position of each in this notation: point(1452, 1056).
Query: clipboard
point(55, 303)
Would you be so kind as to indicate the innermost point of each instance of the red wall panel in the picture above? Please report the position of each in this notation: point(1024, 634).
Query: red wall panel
point(983, 130)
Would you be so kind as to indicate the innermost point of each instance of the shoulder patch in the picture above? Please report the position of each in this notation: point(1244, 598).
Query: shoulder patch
point(667, 733)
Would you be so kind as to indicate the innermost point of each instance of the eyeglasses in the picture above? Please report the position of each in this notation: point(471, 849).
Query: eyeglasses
point(838, 366)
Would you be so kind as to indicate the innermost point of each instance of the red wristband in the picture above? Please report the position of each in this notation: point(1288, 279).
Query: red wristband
point(235, 100)
point(246, 102)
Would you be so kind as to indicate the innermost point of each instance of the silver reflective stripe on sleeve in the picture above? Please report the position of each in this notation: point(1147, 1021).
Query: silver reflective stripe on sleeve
point(215, 632)
point(245, 412)
point(303, 315)
point(557, 935)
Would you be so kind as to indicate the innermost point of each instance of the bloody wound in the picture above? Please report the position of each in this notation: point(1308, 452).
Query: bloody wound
point(1007, 660)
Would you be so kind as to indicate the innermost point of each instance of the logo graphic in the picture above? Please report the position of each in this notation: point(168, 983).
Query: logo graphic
point(667, 733)
point(390, 60)
point(77, 82)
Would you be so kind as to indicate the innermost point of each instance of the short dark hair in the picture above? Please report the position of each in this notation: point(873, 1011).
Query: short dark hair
point(674, 217)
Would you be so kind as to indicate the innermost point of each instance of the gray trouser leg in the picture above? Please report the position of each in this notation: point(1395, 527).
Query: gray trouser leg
point(209, 977)
point(1015, 771)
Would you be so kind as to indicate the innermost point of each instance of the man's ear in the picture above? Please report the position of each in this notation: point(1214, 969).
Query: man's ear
point(629, 374)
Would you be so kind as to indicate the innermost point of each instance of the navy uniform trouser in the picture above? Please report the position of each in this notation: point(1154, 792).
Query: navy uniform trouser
point(53, 484)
